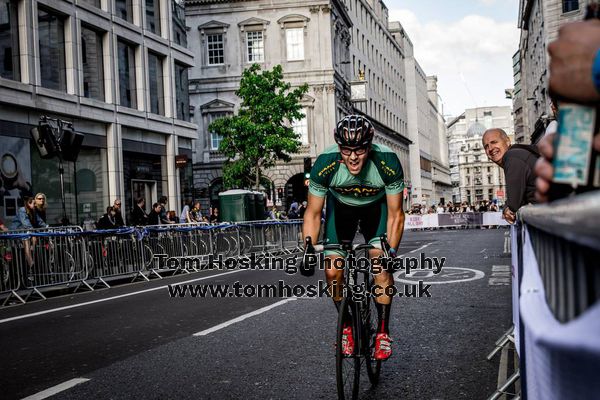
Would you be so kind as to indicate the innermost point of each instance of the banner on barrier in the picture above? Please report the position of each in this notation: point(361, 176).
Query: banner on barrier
point(460, 219)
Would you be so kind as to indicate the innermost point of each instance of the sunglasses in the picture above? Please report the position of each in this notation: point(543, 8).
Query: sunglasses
point(39, 198)
point(359, 151)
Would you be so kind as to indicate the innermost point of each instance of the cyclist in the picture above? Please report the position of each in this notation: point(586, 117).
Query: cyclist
point(361, 183)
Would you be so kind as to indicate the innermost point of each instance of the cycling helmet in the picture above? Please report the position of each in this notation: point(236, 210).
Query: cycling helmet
point(354, 131)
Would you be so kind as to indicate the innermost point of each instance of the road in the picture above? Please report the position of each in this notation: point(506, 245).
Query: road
point(135, 341)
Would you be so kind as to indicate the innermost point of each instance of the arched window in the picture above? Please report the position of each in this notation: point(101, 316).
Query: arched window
point(86, 180)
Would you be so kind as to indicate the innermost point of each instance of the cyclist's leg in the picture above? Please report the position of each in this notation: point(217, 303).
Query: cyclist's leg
point(340, 226)
point(373, 227)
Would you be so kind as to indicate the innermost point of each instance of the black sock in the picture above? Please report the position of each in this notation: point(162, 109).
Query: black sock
point(383, 315)
point(338, 305)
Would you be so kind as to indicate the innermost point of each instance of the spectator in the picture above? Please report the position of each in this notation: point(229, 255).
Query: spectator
point(493, 207)
point(440, 209)
point(214, 217)
point(3, 227)
point(172, 217)
point(164, 218)
point(108, 220)
point(575, 76)
point(138, 214)
point(27, 217)
point(154, 216)
point(185, 217)
point(196, 213)
point(40, 206)
point(293, 213)
point(302, 209)
point(294, 206)
point(118, 216)
point(518, 162)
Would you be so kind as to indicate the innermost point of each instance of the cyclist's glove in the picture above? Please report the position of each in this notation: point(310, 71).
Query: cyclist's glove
point(307, 262)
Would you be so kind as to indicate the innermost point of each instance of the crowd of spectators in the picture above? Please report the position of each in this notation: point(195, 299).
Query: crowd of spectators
point(482, 206)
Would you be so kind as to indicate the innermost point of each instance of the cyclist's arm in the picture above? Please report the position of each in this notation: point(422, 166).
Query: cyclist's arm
point(312, 217)
point(395, 219)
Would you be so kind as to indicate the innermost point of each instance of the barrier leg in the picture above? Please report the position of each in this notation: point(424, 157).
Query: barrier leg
point(502, 390)
point(11, 294)
point(506, 338)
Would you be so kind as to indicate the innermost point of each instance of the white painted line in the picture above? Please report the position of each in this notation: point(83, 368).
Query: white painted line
point(44, 394)
point(482, 251)
point(420, 248)
point(243, 317)
point(434, 251)
point(35, 314)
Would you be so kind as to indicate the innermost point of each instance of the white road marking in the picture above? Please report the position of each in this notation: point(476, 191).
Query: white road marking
point(420, 248)
point(434, 251)
point(44, 394)
point(477, 275)
point(500, 276)
point(52, 310)
point(243, 317)
point(482, 251)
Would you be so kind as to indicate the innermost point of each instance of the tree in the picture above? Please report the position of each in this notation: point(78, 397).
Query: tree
point(259, 135)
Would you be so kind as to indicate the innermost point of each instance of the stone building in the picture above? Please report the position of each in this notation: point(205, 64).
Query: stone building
point(426, 128)
point(326, 43)
point(116, 70)
point(539, 21)
point(474, 176)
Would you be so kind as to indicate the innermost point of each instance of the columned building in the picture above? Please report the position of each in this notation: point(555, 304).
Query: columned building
point(474, 176)
point(117, 71)
point(324, 43)
point(539, 21)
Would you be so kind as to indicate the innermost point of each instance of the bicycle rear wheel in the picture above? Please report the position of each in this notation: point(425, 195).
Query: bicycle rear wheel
point(347, 368)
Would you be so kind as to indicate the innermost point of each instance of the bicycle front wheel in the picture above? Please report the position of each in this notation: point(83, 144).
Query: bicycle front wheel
point(347, 368)
point(369, 323)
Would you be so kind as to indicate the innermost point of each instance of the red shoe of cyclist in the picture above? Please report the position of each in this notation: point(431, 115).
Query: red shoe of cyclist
point(383, 346)
point(347, 341)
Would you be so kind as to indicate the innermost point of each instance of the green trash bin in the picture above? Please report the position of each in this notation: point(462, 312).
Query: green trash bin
point(259, 204)
point(237, 205)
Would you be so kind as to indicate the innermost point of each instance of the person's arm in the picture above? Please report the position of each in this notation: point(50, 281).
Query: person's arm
point(40, 222)
point(24, 219)
point(312, 217)
point(395, 219)
point(516, 172)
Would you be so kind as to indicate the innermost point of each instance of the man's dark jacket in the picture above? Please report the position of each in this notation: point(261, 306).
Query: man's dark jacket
point(518, 164)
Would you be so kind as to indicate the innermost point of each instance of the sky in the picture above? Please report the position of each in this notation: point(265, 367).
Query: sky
point(468, 44)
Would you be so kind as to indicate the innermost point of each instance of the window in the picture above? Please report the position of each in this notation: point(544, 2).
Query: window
point(92, 63)
point(153, 16)
point(156, 86)
point(570, 5)
point(9, 40)
point(300, 127)
point(178, 19)
point(215, 138)
point(127, 93)
point(95, 3)
point(52, 50)
point(124, 9)
point(215, 50)
point(295, 43)
point(181, 92)
point(256, 47)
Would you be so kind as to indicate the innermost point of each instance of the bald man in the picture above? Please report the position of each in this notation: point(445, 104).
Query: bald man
point(518, 163)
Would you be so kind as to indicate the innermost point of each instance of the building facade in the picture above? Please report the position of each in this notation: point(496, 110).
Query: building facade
point(539, 21)
point(474, 177)
point(326, 44)
point(117, 71)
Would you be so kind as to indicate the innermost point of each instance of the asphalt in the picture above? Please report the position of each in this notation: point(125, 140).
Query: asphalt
point(141, 345)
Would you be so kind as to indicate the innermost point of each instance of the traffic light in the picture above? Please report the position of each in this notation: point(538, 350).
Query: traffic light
point(307, 167)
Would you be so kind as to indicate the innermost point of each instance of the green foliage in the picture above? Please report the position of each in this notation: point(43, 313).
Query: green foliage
point(258, 136)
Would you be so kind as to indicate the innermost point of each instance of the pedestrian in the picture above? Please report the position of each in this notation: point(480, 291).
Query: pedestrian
point(138, 214)
point(108, 220)
point(440, 209)
point(518, 162)
point(302, 209)
point(293, 213)
point(154, 216)
point(118, 216)
point(575, 76)
point(40, 206)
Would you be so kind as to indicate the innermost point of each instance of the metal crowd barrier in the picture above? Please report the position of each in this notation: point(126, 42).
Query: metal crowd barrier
point(556, 274)
point(34, 261)
point(461, 220)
